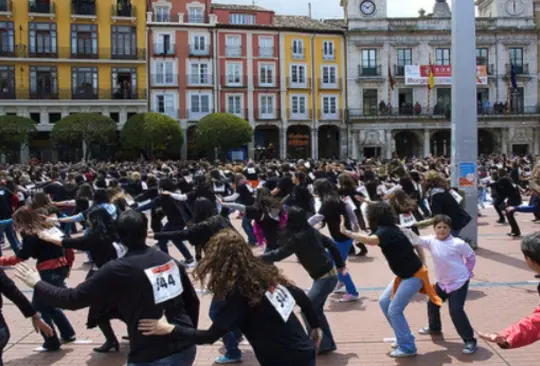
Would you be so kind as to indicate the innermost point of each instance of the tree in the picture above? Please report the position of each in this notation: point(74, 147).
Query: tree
point(152, 134)
point(14, 132)
point(223, 131)
point(93, 129)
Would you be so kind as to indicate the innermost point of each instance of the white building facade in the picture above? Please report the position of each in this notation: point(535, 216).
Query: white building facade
point(412, 120)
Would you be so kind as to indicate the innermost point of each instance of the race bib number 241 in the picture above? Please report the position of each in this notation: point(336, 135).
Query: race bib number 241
point(165, 280)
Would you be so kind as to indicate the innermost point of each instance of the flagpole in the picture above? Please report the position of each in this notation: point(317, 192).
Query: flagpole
point(429, 91)
point(509, 90)
point(389, 87)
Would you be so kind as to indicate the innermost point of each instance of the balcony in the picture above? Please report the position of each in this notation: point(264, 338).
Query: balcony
point(370, 72)
point(125, 94)
point(327, 85)
point(521, 70)
point(162, 49)
point(162, 18)
point(244, 114)
point(329, 116)
point(37, 52)
point(124, 11)
point(8, 93)
point(233, 51)
point(200, 80)
point(41, 9)
point(196, 19)
point(164, 80)
point(329, 56)
point(6, 8)
point(84, 54)
point(267, 114)
point(299, 115)
point(195, 115)
point(85, 92)
point(266, 51)
point(7, 49)
point(299, 83)
point(399, 71)
point(267, 85)
point(83, 9)
point(230, 81)
point(43, 94)
point(298, 53)
point(78, 94)
point(195, 50)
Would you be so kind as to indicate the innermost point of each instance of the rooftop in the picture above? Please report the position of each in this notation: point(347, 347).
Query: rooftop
point(304, 22)
point(239, 7)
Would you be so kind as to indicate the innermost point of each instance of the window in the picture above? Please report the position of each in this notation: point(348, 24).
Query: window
point(266, 105)
point(200, 74)
point(124, 42)
point(7, 46)
point(36, 117)
point(329, 75)
point(328, 50)
point(442, 56)
point(43, 82)
point(42, 37)
point(199, 105)
point(404, 58)
point(234, 105)
point(124, 81)
point(266, 46)
point(164, 73)
point(54, 117)
point(444, 101)
point(199, 45)
point(370, 101)
point(266, 74)
point(164, 45)
point(298, 74)
point(233, 46)
point(164, 103)
point(241, 18)
point(516, 100)
point(329, 104)
point(196, 15)
point(84, 42)
point(369, 59)
point(7, 82)
point(298, 49)
point(516, 59)
point(162, 14)
point(482, 57)
point(234, 74)
point(298, 106)
point(84, 81)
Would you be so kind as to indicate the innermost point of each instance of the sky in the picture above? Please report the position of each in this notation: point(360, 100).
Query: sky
point(332, 9)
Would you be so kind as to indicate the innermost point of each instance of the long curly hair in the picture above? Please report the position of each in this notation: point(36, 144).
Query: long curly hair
point(229, 264)
point(401, 202)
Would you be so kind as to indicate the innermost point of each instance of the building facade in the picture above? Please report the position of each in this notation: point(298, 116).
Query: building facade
point(283, 74)
point(59, 57)
point(391, 110)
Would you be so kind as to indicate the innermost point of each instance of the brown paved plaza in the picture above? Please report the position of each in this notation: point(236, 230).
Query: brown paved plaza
point(502, 292)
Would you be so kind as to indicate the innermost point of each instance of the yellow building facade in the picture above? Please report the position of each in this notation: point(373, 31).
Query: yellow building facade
point(59, 57)
point(313, 72)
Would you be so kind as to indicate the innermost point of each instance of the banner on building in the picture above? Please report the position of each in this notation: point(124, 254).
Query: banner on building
point(418, 74)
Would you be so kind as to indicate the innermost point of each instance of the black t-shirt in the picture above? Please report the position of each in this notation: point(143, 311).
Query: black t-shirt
point(398, 251)
point(332, 210)
point(285, 186)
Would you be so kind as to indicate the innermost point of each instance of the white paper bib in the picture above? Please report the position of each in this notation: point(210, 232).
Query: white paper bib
point(56, 233)
point(120, 250)
point(407, 220)
point(165, 280)
point(282, 300)
point(456, 196)
point(349, 202)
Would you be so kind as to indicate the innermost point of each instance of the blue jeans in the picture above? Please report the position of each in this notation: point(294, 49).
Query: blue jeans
point(184, 358)
point(54, 316)
point(11, 237)
point(230, 339)
point(162, 243)
point(347, 280)
point(248, 229)
point(393, 311)
point(318, 293)
point(4, 338)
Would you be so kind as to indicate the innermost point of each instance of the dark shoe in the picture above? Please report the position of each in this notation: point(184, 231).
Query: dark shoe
point(69, 340)
point(501, 221)
point(470, 348)
point(514, 235)
point(428, 331)
point(108, 346)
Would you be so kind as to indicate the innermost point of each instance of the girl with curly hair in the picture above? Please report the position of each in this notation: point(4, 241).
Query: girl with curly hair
point(258, 299)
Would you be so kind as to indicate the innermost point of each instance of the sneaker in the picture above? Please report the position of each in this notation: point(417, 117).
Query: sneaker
point(222, 360)
point(400, 353)
point(349, 298)
point(427, 331)
point(394, 345)
point(470, 348)
point(190, 264)
point(340, 288)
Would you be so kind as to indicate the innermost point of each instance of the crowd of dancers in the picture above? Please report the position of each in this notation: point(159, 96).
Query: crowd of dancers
point(109, 211)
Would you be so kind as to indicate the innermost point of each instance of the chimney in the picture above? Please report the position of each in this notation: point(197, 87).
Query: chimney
point(309, 9)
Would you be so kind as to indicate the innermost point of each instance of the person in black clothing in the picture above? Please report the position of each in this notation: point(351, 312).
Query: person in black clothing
point(243, 196)
point(185, 182)
point(10, 290)
point(100, 240)
point(145, 283)
point(507, 194)
point(6, 211)
point(258, 299)
point(221, 187)
point(285, 185)
point(348, 190)
point(312, 250)
point(300, 196)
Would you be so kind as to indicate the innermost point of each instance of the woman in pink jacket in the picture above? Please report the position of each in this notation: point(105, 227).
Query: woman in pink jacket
point(527, 330)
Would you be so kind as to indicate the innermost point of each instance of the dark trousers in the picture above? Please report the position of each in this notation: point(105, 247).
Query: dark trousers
point(499, 206)
point(162, 243)
point(230, 339)
point(4, 338)
point(513, 223)
point(456, 302)
point(54, 316)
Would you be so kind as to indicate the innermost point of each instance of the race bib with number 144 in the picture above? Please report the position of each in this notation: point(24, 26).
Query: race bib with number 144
point(165, 280)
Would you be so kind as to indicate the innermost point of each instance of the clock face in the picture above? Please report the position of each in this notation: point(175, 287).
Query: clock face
point(368, 7)
point(514, 7)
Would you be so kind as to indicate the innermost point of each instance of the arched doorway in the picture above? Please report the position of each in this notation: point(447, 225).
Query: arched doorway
point(298, 142)
point(193, 152)
point(486, 143)
point(440, 143)
point(407, 144)
point(266, 142)
point(329, 142)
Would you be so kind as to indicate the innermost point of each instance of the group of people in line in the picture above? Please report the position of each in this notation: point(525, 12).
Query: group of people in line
point(110, 211)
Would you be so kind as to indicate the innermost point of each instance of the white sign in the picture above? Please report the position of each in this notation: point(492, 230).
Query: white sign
point(456, 196)
point(282, 300)
point(165, 280)
point(56, 233)
point(407, 220)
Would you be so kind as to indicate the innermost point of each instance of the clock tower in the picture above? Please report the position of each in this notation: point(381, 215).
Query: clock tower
point(506, 8)
point(365, 9)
